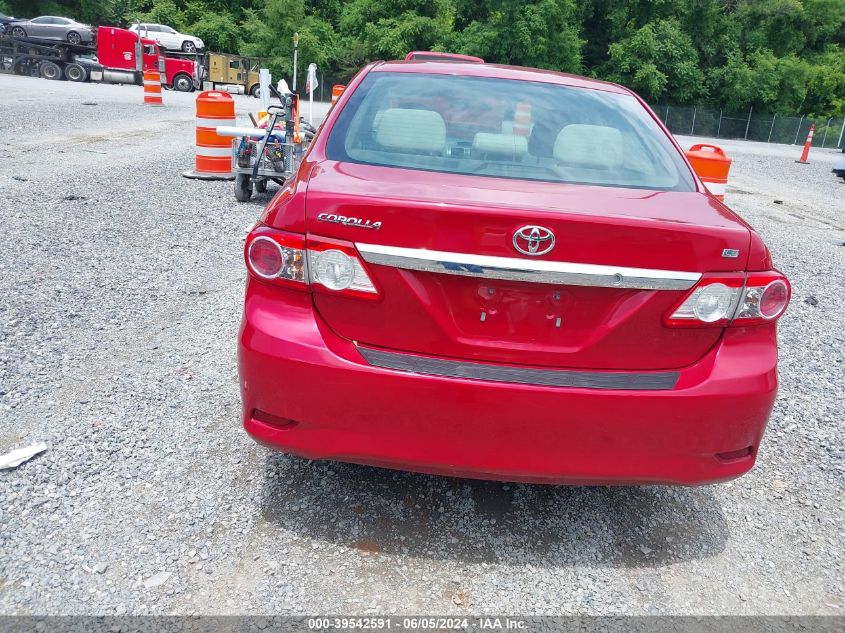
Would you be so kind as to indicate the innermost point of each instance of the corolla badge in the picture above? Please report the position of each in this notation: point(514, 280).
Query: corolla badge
point(349, 221)
point(533, 240)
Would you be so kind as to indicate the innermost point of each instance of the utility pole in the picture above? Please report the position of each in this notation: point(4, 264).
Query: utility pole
point(295, 55)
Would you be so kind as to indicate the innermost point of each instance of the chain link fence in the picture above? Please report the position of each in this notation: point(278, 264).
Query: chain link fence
point(768, 128)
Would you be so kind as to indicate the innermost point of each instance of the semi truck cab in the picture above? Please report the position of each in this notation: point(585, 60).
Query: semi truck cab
point(233, 73)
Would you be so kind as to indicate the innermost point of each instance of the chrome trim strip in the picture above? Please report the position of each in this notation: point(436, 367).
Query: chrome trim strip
point(623, 381)
point(536, 271)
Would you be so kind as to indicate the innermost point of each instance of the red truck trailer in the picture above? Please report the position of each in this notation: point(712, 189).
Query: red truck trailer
point(117, 56)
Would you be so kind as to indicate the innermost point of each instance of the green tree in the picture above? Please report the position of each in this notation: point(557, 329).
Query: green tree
point(657, 60)
point(539, 33)
point(784, 56)
point(268, 32)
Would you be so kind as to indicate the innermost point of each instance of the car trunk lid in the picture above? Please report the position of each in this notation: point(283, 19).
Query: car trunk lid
point(454, 283)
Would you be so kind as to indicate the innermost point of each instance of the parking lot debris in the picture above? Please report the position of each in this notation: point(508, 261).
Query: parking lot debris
point(15, 458)
point(157, 580)
point(461, 598)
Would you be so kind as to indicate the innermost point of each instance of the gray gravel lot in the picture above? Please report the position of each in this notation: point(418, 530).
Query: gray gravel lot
point(121, 292)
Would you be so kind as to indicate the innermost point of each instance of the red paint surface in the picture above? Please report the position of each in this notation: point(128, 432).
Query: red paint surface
point(299, 362)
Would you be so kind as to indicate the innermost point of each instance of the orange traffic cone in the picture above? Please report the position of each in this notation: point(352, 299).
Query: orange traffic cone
point(213, 160)
point(522, 119)
point(806, 153)
point(712, 165)
point(152, 88)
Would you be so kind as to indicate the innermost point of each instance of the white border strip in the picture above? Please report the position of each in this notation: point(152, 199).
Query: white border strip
point(213, 123)
point(213, 152)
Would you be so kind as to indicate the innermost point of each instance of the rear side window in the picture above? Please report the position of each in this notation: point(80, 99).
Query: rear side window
point(505, 128)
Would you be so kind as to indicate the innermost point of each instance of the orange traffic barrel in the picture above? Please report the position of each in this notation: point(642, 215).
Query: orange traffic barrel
point(522, 119)
point(213, 160)
point(337, 90)
point(712, 166)
point(152, 88)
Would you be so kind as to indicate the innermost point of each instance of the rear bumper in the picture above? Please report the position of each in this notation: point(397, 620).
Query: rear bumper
point(292, 366)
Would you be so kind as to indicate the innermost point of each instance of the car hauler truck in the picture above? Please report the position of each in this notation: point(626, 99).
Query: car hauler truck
point(117, 56)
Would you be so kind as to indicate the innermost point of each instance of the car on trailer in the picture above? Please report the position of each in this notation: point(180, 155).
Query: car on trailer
point(53, 27)
point(168, 37)
point(117, 57)
point(6, 22)
point(512, 274)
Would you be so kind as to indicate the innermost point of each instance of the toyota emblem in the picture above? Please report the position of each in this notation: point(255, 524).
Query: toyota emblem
point(533, 240)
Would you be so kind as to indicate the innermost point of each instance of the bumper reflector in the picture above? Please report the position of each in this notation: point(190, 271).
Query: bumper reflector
point(731, 456)
point(272, 420)
point(658, 380)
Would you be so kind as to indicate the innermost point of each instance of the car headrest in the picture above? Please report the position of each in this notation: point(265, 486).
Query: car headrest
point(411, 131)
point(589, 146)
point(500, 144)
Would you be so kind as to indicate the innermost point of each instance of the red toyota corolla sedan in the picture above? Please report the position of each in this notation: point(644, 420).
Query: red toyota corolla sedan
point(511, 274)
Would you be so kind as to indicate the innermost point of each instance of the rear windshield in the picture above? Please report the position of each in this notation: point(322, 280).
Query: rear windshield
point(507, 129)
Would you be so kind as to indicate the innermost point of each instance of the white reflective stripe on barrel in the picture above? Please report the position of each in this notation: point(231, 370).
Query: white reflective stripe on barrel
point(213, 123)
point(214, 151)
point(716, 188)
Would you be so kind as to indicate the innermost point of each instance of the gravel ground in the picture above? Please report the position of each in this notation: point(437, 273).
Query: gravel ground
point(121, 292)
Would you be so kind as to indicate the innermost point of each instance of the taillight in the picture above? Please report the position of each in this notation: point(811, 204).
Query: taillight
point(336, 266)
point(765, 298)
point(318, 264)
point(736, 299)
point(277, 257)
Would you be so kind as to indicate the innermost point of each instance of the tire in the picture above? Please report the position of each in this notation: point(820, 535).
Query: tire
point(74, 38)
point(255, 91)
point(50, 70)
point(243, 188)
point(183, 83)
point(18, 32)
point(75, 72)
point(261, 186)
point(189, 47)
